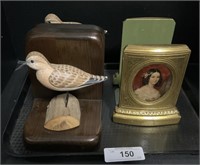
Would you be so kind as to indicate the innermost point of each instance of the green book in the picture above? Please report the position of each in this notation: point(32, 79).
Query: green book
point(147, 30)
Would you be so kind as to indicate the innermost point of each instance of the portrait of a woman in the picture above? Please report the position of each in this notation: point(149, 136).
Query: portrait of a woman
point(150, 80)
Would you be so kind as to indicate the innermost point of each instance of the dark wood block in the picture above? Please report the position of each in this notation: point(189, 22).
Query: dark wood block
point(84, 137)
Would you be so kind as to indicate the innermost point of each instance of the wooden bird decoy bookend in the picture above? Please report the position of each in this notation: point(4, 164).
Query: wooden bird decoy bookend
point(64, 48)
point(63, 111)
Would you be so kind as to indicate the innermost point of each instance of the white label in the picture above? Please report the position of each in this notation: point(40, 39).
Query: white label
point(122, 154)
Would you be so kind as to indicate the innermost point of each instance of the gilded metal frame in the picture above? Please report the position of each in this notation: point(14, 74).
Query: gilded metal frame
point(162, 111)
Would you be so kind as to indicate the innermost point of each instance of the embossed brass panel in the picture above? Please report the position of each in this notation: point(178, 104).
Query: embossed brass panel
point(152, 76)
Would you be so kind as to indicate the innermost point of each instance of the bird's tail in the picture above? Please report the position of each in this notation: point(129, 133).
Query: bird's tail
point(94, 79)
point(99, 78)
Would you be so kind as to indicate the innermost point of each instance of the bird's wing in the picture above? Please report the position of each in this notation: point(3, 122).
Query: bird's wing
point(67, 76)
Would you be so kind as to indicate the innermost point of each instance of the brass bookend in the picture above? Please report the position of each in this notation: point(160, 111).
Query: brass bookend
point(152, 76)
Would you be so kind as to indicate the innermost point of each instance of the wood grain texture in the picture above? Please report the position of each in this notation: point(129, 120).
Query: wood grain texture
point(84, 137)
point(61, 116)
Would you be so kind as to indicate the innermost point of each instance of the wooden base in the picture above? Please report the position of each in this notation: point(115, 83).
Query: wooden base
point(63, 114)
point(84, 137)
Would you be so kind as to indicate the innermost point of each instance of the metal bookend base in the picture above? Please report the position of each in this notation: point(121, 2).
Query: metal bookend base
point(167, 117)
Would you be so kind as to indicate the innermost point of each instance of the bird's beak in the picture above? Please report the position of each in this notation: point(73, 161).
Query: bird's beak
point(21, 64)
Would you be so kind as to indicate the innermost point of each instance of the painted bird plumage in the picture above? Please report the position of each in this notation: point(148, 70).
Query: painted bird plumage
point(60, 77)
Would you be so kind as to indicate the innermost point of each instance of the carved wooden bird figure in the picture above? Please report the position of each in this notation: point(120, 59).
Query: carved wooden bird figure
point(60, 77)
point(54, 19)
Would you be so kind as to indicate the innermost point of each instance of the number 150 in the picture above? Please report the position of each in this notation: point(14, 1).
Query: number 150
point(127, 153)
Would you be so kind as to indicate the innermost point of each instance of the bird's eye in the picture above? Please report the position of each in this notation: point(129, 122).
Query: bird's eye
point(32, 61)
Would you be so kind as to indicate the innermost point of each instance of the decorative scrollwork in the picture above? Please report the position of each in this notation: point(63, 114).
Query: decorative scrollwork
point(171, 111)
